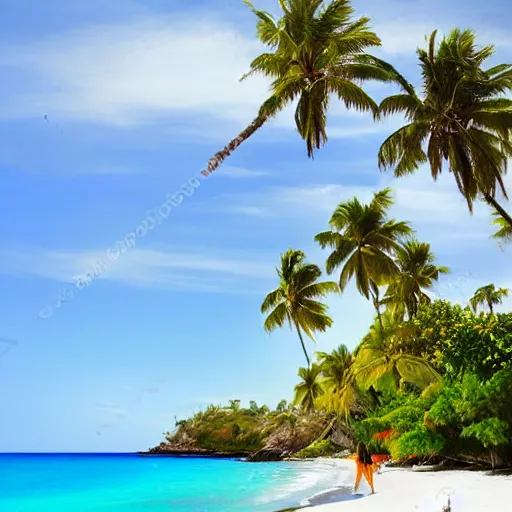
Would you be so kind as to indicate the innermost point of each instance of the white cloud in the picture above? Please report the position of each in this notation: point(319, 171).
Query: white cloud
point(202, 270)
point(240, 172)
point(403, 36)
point(436, 206)
point(129, 73)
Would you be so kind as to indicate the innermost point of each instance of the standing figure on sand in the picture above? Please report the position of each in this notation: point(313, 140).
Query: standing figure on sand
point(364, 466)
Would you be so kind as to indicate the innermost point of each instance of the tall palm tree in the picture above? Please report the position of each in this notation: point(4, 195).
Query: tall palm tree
point(335, 367)
point(364, 241)
point(463, 118)
point(310, 388)
point(341, 394)
point(316, 50)
point(488, 296)
point(293, 301)
point(416, 272)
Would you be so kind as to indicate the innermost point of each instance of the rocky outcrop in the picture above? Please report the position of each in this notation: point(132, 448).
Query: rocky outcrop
point(289, 439)
point(266, 455)
point(342, 438)
point(166, 449)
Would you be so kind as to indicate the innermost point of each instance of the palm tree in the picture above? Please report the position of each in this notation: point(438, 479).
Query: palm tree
point(377, 364)
point(416, 272)
point(364, 240)
point(462, 118)
point(341, 395)
point(294, 299)
point(310, 387)
point(281, 406)
point(316, 50)
point(504, 233)
point(488, 296)
point(335, 367)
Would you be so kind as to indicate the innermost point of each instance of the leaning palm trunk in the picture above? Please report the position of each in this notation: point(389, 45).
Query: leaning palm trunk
point(492, 201)
point(269, 109)
point(221, 155)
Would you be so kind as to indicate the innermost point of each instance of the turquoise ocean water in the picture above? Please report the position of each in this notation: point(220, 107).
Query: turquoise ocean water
point(128, 483)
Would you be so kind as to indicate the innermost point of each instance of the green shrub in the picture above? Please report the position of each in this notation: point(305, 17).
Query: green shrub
point(420, 442)
point(456, 341)
point(322, 448)
point(405, 418)
point(490, 432)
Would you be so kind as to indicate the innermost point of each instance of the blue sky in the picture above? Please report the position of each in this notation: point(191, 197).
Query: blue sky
point(138, 96)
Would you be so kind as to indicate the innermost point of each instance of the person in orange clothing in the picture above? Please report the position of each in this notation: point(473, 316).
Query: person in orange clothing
point(364, 466)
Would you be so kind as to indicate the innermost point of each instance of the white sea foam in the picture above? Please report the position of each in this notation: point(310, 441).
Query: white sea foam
point(309, 478)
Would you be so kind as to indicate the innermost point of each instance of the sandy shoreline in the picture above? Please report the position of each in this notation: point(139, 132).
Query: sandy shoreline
point(402, 490)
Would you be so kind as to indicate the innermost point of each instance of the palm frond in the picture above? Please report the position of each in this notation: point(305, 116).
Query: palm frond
point(277, 318)
point(272, 300)
point(400, 103)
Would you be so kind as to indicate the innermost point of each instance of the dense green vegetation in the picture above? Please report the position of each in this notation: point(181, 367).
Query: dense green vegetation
point(430, 378)
point(322, 448)
point(288, 429)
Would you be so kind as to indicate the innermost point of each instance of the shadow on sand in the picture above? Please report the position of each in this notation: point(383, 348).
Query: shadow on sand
point(335, 495)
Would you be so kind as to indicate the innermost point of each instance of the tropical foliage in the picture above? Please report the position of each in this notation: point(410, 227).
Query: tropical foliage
point(420, 383)
point(249, 429)
point(381, 365)
point(455, 341)
point(430, 379)
point(488, 296)
point(417, 273)
point(310, 387)
point(504, 230)
point(464, 118)
point(466, 418)
point(321, 448)
point(316, 50)
point(363, 241)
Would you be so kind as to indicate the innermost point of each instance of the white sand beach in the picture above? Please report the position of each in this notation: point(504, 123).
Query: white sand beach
point(403, 490)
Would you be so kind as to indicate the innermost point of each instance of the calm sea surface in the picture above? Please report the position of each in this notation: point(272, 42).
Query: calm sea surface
point(128, 483)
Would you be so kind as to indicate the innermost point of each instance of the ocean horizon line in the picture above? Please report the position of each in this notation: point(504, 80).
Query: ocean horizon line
point(69, 453)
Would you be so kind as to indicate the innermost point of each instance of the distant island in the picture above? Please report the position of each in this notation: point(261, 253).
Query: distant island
point(256, 433)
